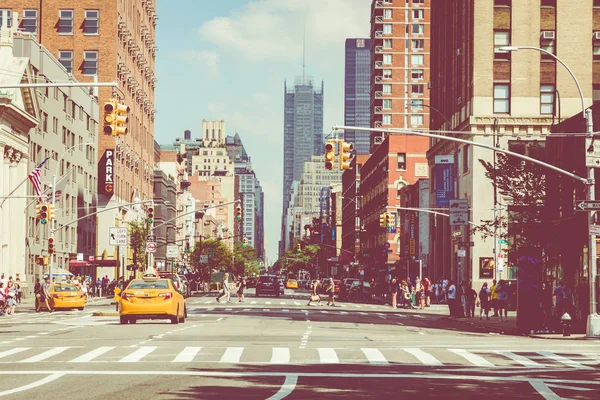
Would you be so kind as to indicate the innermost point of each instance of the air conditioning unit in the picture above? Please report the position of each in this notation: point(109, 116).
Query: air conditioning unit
point(548, 35)
point(597, 35)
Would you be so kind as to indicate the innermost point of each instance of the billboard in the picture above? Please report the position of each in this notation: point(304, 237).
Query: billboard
point(106, 173)
point(443, 178)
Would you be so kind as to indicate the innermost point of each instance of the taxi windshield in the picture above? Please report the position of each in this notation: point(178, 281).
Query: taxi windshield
point(157, 284)
point(65, 288)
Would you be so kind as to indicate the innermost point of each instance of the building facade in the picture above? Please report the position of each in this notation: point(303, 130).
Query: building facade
point(351, 206)
point(165, 203)
point(413, 229)
point(357, 93)
point(400, 35)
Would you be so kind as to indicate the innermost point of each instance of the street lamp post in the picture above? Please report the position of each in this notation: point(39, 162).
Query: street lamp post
point(53, 221)
point(593, 320)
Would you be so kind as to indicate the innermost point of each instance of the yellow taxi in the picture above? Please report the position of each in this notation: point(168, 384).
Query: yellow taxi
point(66, 296)
point(291, 284)
point(151, 298)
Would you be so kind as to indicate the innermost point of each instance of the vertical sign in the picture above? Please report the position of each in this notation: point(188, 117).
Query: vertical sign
point(392, 229)
point(413, 236)
point(443, 180)
point(106, 182)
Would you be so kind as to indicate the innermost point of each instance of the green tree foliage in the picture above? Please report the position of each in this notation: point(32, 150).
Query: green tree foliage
point(246, 260)
point(138, 235)
point(219, 256)
point(292, 261)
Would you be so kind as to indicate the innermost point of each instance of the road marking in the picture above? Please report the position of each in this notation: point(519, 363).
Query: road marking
point(324, 312)
point(228, 309)
point(472, 358)
point(283, 303)
point(328, 356)
point(246, 310)
point(400, 323)
point(266, 309)
point(400, 315)
point(210, 309)
point(564, 360)
point(41, 382)
point(12, 351)
point(286, 389)
point(187, 354)
point(343, 312)
point(281, 355)
point(267, 302)
point(296, 303)
point(92, 354)
point(138, 354)
point(418, 316)
point(374, 356)
point(422, 356)
point(46, 354)
point(232, 355)
point(362, 313)
point(384, 317)
point(526, 362)
point(544, 390)
point(286, 310)
point(253, 302)
point(219, 319)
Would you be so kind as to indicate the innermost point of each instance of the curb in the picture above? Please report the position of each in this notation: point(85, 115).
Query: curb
point(560, 337)
point(105, 314)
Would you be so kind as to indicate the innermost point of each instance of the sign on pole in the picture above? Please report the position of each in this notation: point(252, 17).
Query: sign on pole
point(117, 236)
point(444, 180)
point(203, 259)
point(172, 251)
point(592, 158)
point(587, 205)
point(462, 253)
point(595, 230)
point(79, 257)
point(459, 212)
point(500, 263)
point(151, 247)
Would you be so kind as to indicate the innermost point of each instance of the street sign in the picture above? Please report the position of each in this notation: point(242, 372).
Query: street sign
point(459, 206)
point(172, 251)
point(502, 241)
point(458, 219)
point(587, 205)
point(500, 263)
point(456, 234)
point(211, 252)
point(203, 259)
point(462, 253)
point(387, 245)
point(151, 238)
point(79, 257)
point(592, 159)
point(595, 230)
point(150, 247)
point(117, 236)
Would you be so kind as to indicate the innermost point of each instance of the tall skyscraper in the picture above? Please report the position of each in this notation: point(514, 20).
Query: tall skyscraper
point(302, 133)
point(357, 92)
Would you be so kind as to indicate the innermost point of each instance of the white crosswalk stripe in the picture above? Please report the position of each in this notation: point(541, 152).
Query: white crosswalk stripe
point(472, 358)
point(328, 356)
point(138, 354)
point(563, 360)
point(526, 362)
point(280, 355)
point(92, 354)
point(423, 357)
point(45, 355)
point(187, 354)
point(232, 355)
point(12, 351)
point(374, 356)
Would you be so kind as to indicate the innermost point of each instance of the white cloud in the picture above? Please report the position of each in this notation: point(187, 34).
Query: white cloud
point(207, 60)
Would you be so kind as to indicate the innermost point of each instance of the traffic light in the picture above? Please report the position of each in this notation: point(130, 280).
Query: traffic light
point(50, 245)
point(245, 242)
point(238, 212)
point(51, 212)
point(345, 154)
point(150, 215)
point(44, 208)
point(388, 219)
point(329, 155)
point(115, 118)
point(299, 249)
point(392, 218)
point(382, 220)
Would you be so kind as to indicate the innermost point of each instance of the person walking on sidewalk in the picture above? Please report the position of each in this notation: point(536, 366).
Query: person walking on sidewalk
point(394, 292)
point(331, 293)
point(502, 291)
point(471, 298)
point(494, 297)
point(45, 295)
point(315, 293)
point(225, 289)
point(240, 289)
point(452, 298)
point(427, 291)
point(484, 301)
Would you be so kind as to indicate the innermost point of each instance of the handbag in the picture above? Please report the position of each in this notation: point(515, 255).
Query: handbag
point(315, 297)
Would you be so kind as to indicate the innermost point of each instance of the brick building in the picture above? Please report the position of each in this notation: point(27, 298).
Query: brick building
point(351, 205)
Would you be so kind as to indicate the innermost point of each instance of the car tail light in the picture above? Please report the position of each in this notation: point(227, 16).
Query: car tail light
point(126, 296)
point(167, 295)
point(56, 296)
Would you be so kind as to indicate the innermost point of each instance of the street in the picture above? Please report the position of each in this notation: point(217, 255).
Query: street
point(280, 348)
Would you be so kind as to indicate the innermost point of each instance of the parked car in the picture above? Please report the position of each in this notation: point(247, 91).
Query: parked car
point(345, 287)
point(177, 282)
point(251, 282)
point(269, 284)
point(291, 284)
point(186, 285)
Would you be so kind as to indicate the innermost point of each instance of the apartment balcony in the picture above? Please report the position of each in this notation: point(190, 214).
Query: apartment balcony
point(378, 64)
point(378, 49)
point(378, 80)
point(379, 19)
point(378, 34)
point(379, 94)
point(378, 110)
point(378, 124)
point(379, 4)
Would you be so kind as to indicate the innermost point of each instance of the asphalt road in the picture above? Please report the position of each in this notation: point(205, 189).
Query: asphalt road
point(275, 348)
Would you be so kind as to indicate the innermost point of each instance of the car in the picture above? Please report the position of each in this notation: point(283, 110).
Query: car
point(65, 296)
point(152, 297)
point(345, 287)
point(354, 294)
point(269, 284)
point(177, 282)
point(337, 284)
point(302, 284)
point(186, 285)
point(291, 284)
point(251, 282)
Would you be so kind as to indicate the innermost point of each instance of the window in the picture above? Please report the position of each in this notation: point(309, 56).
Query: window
point(387, 43)
point(29, 22)
point(416, 89)
point(501, 98)
point(418, 29)
point(418, 14)
point(387, 74)
point(65, 57)
point(401, 164)
point(466, 158)
point(417, 59)
point(418, 1)
point(90, 24)
point(65, 101)
point(387, 89)
point(548, 43)
point(417, 105)
point(65, 22)
point(387, 104)
point(416, 119)
point(596, 93)
point(387, 119)
point(387, 29)
point(45, 122)
point(416, 74)
point(387, 58)
point(90, 63)
point(6, 13)
point(501, 38)
point(548, 3)
point(387, 13)
point(596, 45)
point(547, 94)
point(504, 3)
point(418, 44)
point(55, 125)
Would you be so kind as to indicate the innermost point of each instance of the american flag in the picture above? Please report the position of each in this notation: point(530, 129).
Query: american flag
point(34, 177)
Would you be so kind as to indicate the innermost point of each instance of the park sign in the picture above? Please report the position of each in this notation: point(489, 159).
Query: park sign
point(106, 173)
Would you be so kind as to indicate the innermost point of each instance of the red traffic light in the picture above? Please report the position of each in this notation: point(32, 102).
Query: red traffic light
point(50, 240)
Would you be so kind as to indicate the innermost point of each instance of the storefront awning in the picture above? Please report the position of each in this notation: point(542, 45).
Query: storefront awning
point(94, 264)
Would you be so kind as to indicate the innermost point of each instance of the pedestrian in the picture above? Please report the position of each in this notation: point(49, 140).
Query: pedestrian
point(560, 299)
point(394, 291)
point(240, 289)
point(451, 298)
point(225, 289)
point(2, 300)
point(502, 291)
point(10, 295)
point(315, 293)
point(494, 297)
point(331, 293)
point(484, 301)
point(419, 294)
point(427, 291)
point(45, 295)
point(471, 299)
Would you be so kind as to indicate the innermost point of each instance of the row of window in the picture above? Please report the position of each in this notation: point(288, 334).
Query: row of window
point(89, 67)
point(416, 44)
point(415, 74)
point(415, 119)
point(415, 29)
point(415, 89)
point(502, 98)
point(415, 59)
point(29, 21)
point(417, 13)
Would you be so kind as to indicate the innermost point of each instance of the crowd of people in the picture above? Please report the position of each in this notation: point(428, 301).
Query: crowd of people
point(10, 294)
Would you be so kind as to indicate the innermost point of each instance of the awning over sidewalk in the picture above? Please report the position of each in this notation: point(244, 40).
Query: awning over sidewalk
point(94, 264)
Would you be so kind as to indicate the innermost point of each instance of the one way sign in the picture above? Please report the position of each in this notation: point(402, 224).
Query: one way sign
point(587, 205)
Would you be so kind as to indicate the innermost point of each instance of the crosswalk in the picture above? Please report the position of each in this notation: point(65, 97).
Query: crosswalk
point(430, 357)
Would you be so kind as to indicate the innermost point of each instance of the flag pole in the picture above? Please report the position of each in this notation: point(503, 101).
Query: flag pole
point(14, 190)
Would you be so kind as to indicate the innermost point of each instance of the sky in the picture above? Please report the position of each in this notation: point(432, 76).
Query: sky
point(228, 59)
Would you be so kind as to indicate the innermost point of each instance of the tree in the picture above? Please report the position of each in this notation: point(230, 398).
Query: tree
point(525, 225)
point(307, 259)
point(246, 259)
point(138, 235)
point(219, 256)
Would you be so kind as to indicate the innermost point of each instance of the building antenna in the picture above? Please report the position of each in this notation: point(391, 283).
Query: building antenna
point(303, 53)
